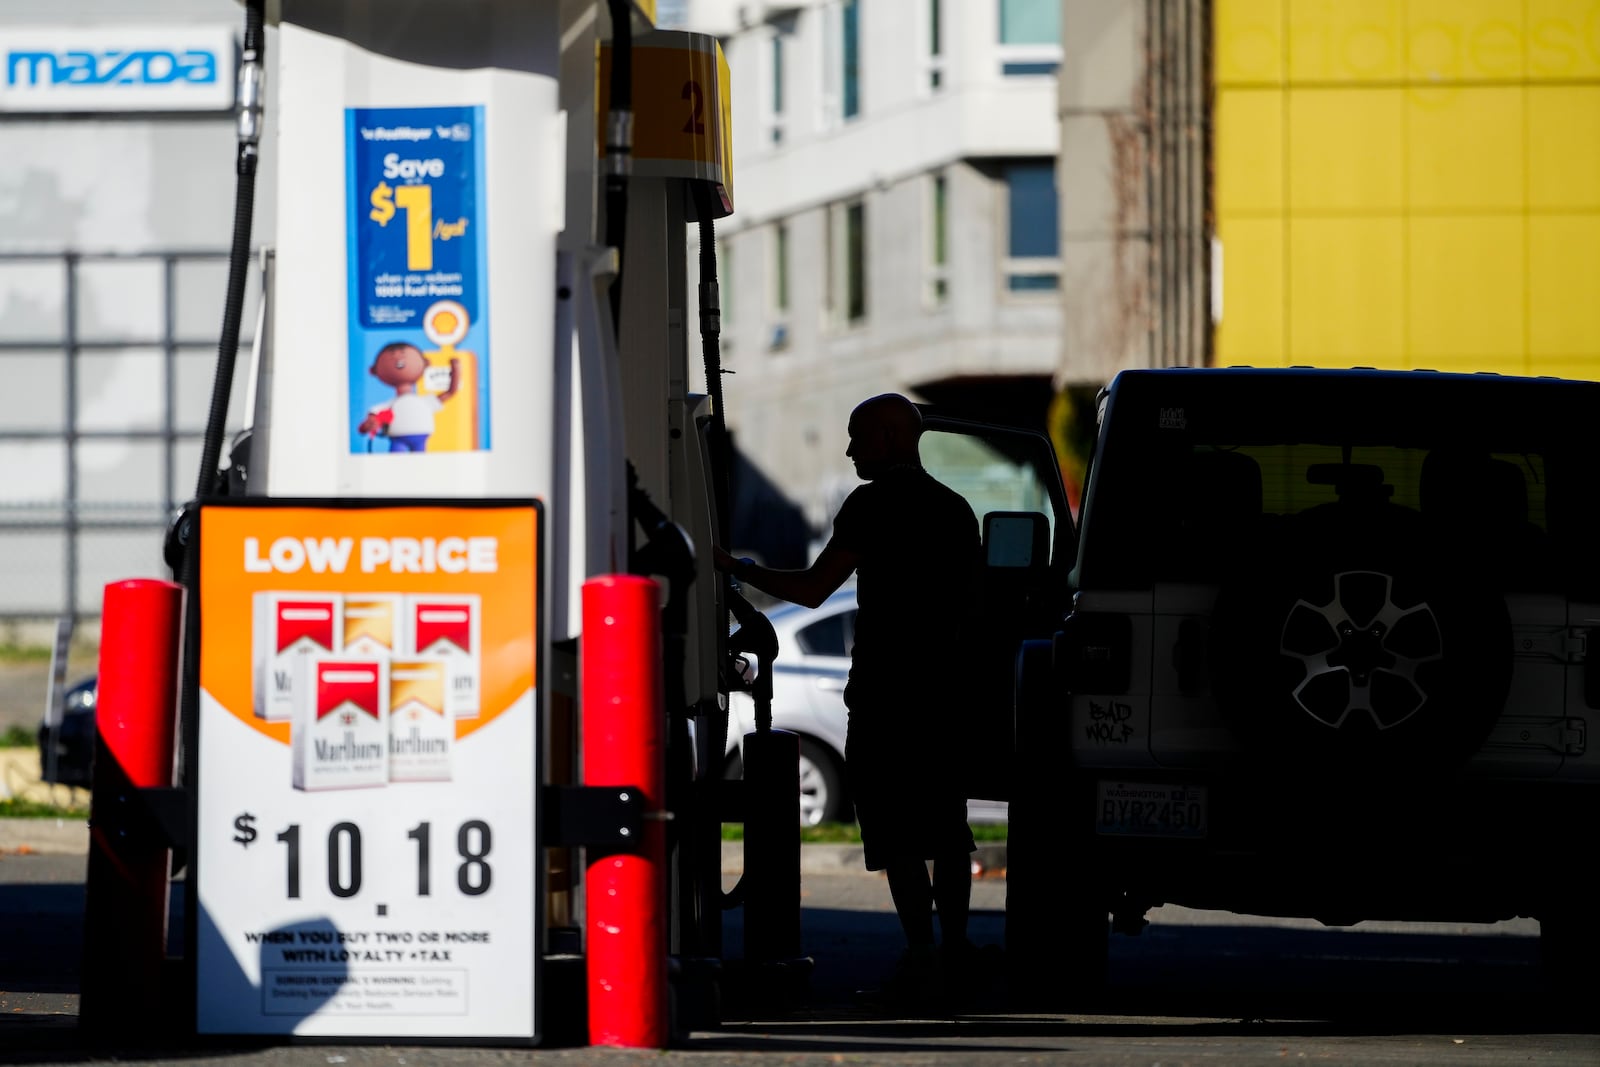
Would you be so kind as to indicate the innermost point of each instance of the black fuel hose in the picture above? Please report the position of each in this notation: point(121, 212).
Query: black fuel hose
point(180, 536)
point(252, 53)
point(619, 145)
point(711, 354)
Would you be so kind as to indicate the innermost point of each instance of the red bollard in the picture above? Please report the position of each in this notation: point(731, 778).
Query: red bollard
point(624, 743)
point(136, 706)
point(126, 895)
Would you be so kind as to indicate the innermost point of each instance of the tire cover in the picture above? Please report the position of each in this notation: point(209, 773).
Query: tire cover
point(1361, 657)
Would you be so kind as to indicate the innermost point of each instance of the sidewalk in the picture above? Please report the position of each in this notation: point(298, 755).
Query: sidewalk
point(59, 836)
point(71, 836)
point(989, 861)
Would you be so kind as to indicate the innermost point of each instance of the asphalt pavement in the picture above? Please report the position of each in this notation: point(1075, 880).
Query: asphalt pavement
point(1194, 987)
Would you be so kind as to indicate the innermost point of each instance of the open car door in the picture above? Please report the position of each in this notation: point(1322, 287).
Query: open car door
point(1012, 479)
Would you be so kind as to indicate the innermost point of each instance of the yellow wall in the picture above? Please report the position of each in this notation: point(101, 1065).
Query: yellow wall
point(1410, 183)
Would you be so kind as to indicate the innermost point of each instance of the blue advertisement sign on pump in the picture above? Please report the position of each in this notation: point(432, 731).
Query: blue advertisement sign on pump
point(418, 345)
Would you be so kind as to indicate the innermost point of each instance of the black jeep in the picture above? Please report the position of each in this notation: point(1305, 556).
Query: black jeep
point(1327, 656)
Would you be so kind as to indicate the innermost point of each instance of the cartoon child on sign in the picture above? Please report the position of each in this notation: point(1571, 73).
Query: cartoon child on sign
point(421, 381)
point(407, 420)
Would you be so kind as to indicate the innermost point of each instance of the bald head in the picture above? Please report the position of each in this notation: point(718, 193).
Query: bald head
point(883, 433)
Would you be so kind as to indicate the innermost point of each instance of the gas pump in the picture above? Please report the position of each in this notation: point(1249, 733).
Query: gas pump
point(466, 408)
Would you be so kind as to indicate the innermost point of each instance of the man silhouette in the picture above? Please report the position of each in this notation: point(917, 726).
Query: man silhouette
point(913, 544)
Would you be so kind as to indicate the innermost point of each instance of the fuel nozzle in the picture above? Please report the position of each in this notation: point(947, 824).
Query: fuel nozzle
point(754, 637)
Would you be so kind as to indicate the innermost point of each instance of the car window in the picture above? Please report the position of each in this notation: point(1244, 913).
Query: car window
point(1498, 473)
point(1209, 501)
point(1296, 477)
point(989, 478)
point(830, 636)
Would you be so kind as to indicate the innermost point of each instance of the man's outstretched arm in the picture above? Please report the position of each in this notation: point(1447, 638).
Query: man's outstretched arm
point(809, 586)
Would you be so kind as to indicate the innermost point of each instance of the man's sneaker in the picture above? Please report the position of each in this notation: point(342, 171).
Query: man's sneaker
point(974, 977)
point(915, 988)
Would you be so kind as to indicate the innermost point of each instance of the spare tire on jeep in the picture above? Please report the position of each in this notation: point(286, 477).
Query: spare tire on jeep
point(1359, 647)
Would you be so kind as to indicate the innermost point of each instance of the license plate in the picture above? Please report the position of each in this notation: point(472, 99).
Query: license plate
point(1133, 809)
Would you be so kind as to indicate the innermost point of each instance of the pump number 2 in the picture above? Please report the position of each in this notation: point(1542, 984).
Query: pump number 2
point(473, 873)
point(696, 98)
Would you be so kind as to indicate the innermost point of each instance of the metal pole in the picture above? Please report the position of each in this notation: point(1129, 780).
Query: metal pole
point(70, 426)
point(169, 361)
point(53, 711)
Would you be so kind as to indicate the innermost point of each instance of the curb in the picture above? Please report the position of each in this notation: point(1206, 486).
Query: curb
point(988, 861)
point(814, 859)
point(53, 836)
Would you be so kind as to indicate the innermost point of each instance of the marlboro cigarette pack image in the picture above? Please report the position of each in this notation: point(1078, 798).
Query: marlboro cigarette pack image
point(371, 624)
point(447, 627)
point(421, 730)
point(286, 628)
point(340, 735)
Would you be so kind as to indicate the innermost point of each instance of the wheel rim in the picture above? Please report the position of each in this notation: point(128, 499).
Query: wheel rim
point(814, 796)
point(1361, 652)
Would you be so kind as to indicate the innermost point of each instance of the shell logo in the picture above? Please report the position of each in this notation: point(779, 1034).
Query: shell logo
point(445, 323)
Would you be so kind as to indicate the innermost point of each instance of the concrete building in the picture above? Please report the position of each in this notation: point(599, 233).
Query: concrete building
point(895, 223)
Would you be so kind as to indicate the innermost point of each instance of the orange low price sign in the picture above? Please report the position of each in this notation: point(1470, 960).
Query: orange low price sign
point(365, 860)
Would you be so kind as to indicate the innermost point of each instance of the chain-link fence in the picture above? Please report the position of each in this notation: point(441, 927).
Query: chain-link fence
point(108, 360)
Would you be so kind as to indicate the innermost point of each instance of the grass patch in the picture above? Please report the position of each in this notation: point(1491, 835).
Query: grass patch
point(831, 833)
point(16, 736)
point(14, 653)
point(848, 833)
point(16, 808)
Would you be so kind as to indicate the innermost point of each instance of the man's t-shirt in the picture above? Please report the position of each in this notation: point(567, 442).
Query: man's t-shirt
point(918, 543)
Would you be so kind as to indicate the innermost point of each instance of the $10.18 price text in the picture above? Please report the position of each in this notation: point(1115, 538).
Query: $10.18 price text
point(473, 842)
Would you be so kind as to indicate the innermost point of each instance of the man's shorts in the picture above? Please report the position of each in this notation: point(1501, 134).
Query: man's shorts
point(908, 793)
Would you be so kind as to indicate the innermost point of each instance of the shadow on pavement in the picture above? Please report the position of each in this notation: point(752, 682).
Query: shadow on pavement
point(41, 950)
point(1186, 982)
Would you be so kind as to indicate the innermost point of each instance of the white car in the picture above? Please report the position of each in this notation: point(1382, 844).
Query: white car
point(808, 699)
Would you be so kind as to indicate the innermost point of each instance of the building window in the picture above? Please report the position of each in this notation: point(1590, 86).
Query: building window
point(938, 288)
point(780, 268)
point(935, 46)
point(780, 286)
point(855, 233)
point(840, 99)
point(1030, 37)
point(1033, 247)
point(850, 35)
point(1030, 22)
point(778, 85)
point(846, 263)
